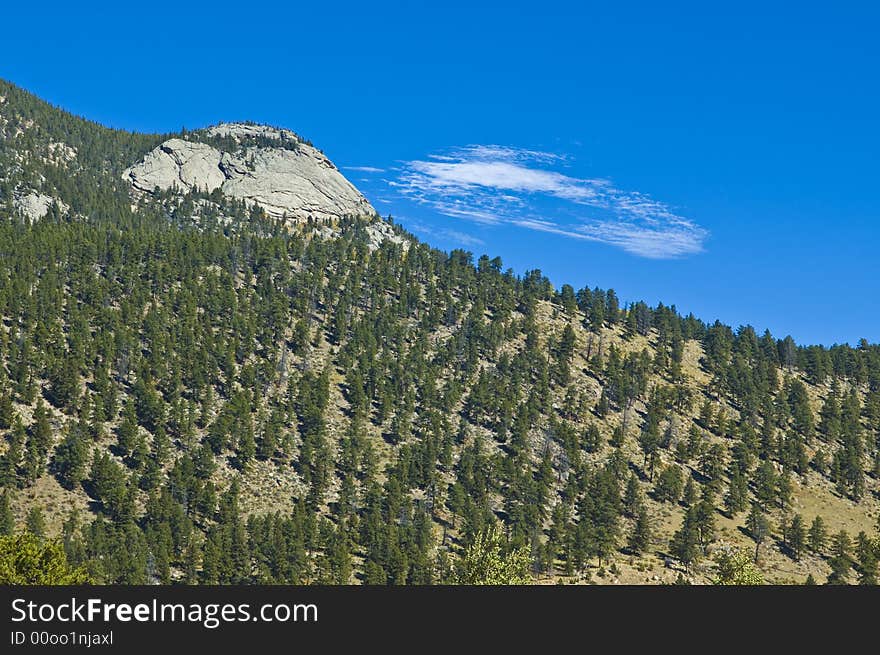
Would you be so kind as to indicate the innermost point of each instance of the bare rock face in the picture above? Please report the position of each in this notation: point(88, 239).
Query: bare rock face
point(265, 166)
point(178, 163)
point(379, 232)
point(35, 205)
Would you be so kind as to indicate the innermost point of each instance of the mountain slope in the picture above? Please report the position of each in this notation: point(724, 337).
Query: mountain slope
point(226, 395)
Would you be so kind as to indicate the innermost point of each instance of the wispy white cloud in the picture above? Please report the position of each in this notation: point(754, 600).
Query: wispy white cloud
point(493, 184)
point(455, 236)
point(364, 169)
point(462, 238)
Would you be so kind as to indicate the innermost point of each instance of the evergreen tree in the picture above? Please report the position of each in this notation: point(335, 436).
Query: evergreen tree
point(841, 558)
point(669, 484)
point(127, 432)
point(685, 543)
point(689, 495)
point(737, 498)
point(7, 520)
point(641, 533)
point(818, 536)
point(797, 536)
point(71, 457)
point(35, 522)
point(11, 460)
point(632, 496)
point(7, 411)
point(758, 526)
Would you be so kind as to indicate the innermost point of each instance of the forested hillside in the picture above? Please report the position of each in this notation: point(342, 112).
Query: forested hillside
point(192, 392)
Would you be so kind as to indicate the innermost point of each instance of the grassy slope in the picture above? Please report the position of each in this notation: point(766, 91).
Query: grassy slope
point(267, 487)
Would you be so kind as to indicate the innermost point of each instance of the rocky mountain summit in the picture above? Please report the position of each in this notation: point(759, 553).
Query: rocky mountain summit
point(47, 156)
point(262, 165)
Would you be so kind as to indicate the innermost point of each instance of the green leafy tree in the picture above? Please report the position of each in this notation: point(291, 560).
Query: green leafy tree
point(486, 562)
point(736, 567)
point(27, 560)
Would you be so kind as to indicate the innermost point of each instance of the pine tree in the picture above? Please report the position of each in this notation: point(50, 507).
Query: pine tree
point(40, 435)
point(866, 554)
point(34, 463)
point(705, 518)
point(35, 522)
point(641, 533)
point(191, 563)
point(7, 520)
point(818, 537)
point(97, 417)
point(737, 498)
point(246, 448)
point(784, 491)
point(758, 526)
point(11, 460)
point(602, 406)
point(841, 558)
point(592, 439)
point(649, 442)
point(632, 496)
point(797, 536)
point(127, 432)
point(669, 484)
point(64, 382)
point(70, 460)
point(211, 560)
point(7, 411)
point(689, 496)
point(765, 484)
point(685, 543)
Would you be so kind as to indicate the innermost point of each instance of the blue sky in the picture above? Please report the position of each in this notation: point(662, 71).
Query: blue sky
point(722, 159)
